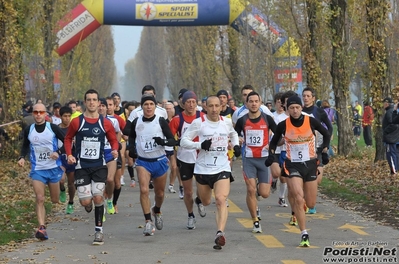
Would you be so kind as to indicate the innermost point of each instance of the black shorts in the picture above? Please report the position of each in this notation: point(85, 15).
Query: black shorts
point(169, 153)
point(86, 176)
point(306, 170)
point(211, 179)
point(186, 170)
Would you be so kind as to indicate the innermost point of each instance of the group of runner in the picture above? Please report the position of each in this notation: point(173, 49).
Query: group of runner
point(189, 143)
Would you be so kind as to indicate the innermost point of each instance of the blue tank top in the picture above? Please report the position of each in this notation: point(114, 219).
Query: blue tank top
point(90, 140)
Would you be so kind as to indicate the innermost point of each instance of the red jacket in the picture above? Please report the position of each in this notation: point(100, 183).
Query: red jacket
point(368, 116)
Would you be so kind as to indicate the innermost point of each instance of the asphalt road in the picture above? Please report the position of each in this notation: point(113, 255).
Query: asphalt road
point(334, 233)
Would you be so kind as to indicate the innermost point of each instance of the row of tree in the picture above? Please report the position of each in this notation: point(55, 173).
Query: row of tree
point(28, 59)
point(344, 43)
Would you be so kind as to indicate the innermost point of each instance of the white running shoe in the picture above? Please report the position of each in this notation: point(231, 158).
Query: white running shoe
point(257, 228)
point(170, 188)
point(191, 223)
point(122, 180)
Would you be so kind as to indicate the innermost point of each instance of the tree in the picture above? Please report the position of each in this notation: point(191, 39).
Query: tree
point(377, 18)
point(340, 75)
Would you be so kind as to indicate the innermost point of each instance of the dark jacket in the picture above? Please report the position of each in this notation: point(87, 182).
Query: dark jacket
point(390, 130)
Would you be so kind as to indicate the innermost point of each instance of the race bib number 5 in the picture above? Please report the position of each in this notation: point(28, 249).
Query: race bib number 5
point(300, 152)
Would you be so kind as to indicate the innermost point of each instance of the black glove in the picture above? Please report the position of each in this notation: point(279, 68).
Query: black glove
point(206, 144)
point(237, 151)
point(269, 161)
point(178, 142)
point(324, 158)
point(159, 141)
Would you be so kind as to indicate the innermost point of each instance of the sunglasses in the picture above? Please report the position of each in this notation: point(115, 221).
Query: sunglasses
point(39, 112)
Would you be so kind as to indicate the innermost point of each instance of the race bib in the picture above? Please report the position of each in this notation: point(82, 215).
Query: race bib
point(147, 143)
point(90, 150)
point(299, 152)
point(42, 154)
point(254, 138)
point(214, 158)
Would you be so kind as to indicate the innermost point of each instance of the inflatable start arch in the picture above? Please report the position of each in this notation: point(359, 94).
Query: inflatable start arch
point(91, 14)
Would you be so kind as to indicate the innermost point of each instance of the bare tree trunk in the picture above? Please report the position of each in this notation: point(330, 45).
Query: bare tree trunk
point(311, 61)
point(377, 14)
point(48, 46)
point(340, 76)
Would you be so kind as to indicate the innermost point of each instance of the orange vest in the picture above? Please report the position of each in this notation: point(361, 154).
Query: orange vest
point(300, 141)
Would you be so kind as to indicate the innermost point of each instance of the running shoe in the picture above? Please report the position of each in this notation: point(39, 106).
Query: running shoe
point(220, 240)
point(170, 188)
point(305, 208)
point(293, 221)
point(62, 196)
point(149, 229)
point(98, 238)
point(311, 210)
point(151, 186)
point(89, 207)
point(191, 222)
point(282, 202)
point(258, 213)
point(158, 219)
point(69, 209)
point(132, 183)
point(274, 186)
point(201, 209)
point(41, 233)
point(257, 228)
point(181, 192)
point(122, 180)
point(304, 241)
point(110, 207)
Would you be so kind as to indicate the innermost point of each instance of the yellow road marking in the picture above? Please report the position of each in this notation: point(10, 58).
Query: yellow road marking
point(354, 228)
point(292, 229)
point(269, 241)
point(314, 216)
point(292, 261)
point(233, 208)
point(246, 222)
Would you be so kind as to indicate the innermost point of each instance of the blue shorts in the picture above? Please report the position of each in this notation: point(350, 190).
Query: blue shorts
point(47, 176)
point(108, 155)
point(68, 167)
point(156, 167)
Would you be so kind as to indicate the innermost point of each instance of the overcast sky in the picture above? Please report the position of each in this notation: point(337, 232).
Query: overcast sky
point(126, 39)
